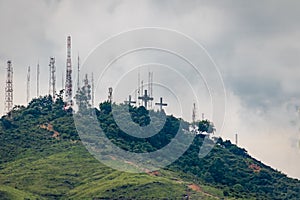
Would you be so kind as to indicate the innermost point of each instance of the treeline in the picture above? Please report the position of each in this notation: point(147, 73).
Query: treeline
point(227, 166)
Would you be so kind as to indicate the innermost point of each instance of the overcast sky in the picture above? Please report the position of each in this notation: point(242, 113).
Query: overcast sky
point(255, 45)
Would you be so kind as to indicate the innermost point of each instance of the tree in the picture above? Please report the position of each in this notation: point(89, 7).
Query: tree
point(206, 126)
point(105, 107)
point(217, 169)
point(83, 97)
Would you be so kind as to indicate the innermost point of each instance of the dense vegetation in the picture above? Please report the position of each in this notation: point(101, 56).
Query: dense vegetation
point(41, 157)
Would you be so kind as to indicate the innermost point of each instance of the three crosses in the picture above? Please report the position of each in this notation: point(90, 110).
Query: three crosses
point(146, 98)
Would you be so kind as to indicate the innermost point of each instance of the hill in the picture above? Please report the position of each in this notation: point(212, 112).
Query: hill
point(42, 157)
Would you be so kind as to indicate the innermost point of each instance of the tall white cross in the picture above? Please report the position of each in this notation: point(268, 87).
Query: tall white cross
point(129, 102)
point(161, 104)
point(145, 98)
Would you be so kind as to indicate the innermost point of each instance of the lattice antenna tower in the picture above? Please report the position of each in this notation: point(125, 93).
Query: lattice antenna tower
point(9, 87)
point(68, 85)
point(87, 87)
point(110, 92)
point(28, 85)
point(78, 73)
point(150, 84)
point(52, 77)
point(142, 88)
point(151, 87)
point(139, 89)
point(38, 79)
point(62, 80)
point(194, 116)
point(93, 90)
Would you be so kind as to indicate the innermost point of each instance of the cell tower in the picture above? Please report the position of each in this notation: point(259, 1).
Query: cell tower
point(38, 80)
point(78, 73)
point(194, 116)
point(142, 88)
point(28, 85)
point(87, 87)
point(68, 85)
point(52, 78)
point(236, 139)
point(62, 80)
point(93, 90)
point(150, 86)
point(139, 89)
point(110, 91)
point(151, 91)
point(9, 87)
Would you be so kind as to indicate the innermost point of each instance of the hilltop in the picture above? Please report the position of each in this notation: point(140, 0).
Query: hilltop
point(42, 157)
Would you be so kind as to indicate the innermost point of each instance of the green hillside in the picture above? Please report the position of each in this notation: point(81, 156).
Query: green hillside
point(42, 157)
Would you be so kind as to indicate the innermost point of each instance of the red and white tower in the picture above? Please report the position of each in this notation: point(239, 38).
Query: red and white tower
point(68, 85)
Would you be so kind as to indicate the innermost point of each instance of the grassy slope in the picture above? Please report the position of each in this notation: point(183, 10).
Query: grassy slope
point(34, 165)
point(73, 173)
point(7, 192)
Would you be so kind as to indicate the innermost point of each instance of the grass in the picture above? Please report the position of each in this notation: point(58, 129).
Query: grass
point(7, 192)
point(34, 165)
point(68, 171)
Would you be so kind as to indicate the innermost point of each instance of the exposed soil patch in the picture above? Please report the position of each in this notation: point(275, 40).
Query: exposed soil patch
point(49, 127)
point(255, 168)
point(195, 187)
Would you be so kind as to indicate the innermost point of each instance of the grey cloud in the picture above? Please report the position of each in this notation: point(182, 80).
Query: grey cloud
point(254, 43)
